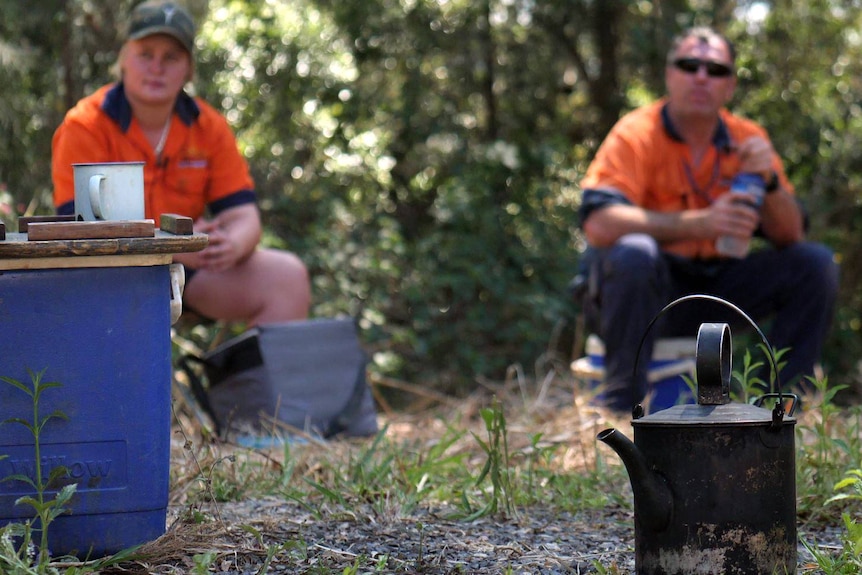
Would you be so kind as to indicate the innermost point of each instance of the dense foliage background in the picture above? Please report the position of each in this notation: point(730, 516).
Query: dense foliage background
point(423, 156)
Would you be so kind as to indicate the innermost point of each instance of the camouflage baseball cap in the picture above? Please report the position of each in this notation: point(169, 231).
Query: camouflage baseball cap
point(160, 17)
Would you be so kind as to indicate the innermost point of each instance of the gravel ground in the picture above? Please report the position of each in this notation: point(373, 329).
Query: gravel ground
point(278, 535)
point(427, 542)
point(274, 536)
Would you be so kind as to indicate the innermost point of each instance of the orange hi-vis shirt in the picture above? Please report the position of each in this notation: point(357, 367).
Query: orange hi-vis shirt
point(644, 162)
point(200, 165)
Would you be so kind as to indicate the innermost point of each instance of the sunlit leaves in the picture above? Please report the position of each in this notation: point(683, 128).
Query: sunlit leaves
point(423, 156)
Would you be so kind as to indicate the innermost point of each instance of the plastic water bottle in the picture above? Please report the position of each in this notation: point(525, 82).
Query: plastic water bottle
point(731, 246)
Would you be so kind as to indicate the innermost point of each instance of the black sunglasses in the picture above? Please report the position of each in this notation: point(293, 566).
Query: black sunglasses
point(713, 69)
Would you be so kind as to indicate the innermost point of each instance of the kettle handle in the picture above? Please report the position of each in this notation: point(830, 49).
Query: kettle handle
point(778, 411)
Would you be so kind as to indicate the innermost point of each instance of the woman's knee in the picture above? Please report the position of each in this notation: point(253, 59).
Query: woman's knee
point(286, 269)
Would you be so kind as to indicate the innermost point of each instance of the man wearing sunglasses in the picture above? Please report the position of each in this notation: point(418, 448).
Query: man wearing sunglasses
point(655, 199)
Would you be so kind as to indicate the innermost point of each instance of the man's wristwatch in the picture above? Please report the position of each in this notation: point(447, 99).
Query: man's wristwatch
point(772, 184)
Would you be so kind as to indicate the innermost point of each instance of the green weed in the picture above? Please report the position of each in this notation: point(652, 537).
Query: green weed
point(602, 570)
point(849, 558)
point(748, 382)
point(20, 552)
point(829, 445)
point(497, 465)
point(846, 562)
point(32, 556)
point(203, 562)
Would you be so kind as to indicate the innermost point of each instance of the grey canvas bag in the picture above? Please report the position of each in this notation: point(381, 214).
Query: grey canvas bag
point(309, 375)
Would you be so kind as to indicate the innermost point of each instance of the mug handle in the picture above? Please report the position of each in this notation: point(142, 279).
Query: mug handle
point(96, 195)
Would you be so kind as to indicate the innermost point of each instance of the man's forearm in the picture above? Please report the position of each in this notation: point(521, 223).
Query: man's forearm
point(605, 226)
point(781, 218)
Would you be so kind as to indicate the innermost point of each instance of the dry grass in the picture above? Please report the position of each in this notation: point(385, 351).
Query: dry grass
point(258, 530)
point(238, 510)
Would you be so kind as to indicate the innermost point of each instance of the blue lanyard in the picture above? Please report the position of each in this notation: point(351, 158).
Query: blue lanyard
point(703, 193)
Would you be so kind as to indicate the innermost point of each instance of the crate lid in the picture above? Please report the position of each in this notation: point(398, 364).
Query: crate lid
point(664, 349)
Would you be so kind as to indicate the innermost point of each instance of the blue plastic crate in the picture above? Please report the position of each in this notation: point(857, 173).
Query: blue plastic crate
point(104, 335)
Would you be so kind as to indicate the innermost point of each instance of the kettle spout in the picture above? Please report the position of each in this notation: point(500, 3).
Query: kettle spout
point(653, 499)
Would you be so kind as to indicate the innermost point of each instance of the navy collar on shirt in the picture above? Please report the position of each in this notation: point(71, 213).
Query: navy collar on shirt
point(117, 107)
point(721, 138)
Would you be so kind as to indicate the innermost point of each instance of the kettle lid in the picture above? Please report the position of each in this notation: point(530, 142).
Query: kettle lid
point(735, 414)
point(713, 369)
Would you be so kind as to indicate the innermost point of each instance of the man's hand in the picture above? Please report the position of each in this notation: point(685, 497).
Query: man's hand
point(733, 214)
point(756, 155)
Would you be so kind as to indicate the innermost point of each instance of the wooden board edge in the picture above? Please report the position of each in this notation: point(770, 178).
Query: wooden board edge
point(43, 231)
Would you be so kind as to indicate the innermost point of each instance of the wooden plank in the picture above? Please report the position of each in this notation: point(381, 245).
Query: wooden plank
point(90, 230)
point(25, 221)
point(176, 224)
point(17, 245)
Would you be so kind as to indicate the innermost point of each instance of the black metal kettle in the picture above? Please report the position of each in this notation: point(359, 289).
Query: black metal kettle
point(714, 483)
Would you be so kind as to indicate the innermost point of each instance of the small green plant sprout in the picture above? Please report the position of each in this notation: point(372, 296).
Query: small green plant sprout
point(534, 453)
point(46, 510)
point(203, 562)
point(496, 467)
point(751, 384)
point(603, 570)
point(849, 559)
point(853, 483)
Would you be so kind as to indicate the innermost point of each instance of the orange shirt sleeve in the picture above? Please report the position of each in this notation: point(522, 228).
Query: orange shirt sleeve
point(619, 164)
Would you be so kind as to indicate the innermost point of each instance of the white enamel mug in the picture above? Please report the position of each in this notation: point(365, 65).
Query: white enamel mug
point(109, 191)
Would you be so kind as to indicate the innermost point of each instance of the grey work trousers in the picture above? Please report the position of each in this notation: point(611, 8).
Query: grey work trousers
point(795, 288)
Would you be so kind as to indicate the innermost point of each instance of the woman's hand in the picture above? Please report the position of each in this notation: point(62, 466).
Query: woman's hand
point(233, 235)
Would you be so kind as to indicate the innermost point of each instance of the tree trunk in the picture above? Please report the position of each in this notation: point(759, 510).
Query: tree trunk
point(605, 89)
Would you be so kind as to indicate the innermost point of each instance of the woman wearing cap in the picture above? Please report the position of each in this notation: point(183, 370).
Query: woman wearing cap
point(192, 168)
